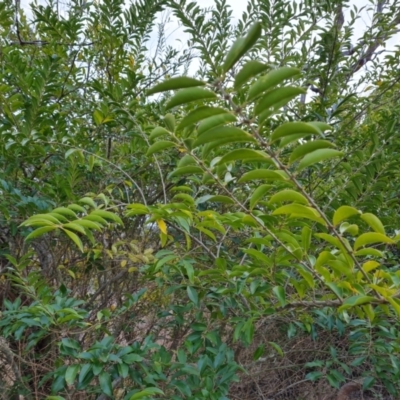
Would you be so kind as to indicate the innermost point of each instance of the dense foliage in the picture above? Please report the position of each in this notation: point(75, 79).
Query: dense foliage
point(173, 220)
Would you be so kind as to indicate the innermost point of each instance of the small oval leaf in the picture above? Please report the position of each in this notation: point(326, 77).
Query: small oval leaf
point(241, 46)
point(248, 71)
point(270, 80)
point(159, 146)
point(180, 82)
point(371, 237)
point(288, 195)
point(245, 155)
point(262, 174)
point(318, 156)
point(199, 114)
point(190, 95)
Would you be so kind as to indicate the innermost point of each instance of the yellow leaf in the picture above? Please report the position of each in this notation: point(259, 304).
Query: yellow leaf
point(123, 263)
point(162, 225)
point(71, 273)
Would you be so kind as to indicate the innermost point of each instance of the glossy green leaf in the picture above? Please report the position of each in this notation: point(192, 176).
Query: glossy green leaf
point(309, 147)
point(293, 128)
point(107, 215)
point(369, 238)
point(193, 296)
point(65, 211)
point(150, 391)
point(157, 132)
point(355, 301)
point(185, 96)
point(159, 146)
point(190, 169)
point(216, 120)
point(40, 231)
point(263, 174)
point(288, 195)
point(245, 155)
point(258, 194)
point(297, 209)
point(174, 84)
point(343, 213)
point(224, 134)
point(75, 227)
point(280, 95)
point(369, 251)
point(317, 156)
point(241, 46)
point(199, 114)
point(137, 209)
point(374, 222)
point(71, 373)
point(187, 159)
point(75, 239)
point(270, 80)
point(105, 383)
point(249, 70)
point(169, 120)
point(279, 292)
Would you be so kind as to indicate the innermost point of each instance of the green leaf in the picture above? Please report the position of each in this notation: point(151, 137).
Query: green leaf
point(88, 224)
point(370, 237)
point(279, 292)
point(343, 213)
point(40, 231)
point(199, 114)
point(264, 174)
point(355, 301)
point(309, 147)
point(137, 209)
point(368, 251)
point(224, 134)
point(216, 120)
point(105, 383)
point(89, 201)
point(374, 222)
point(157, 132)
point(75, 227)
point(180, 82)
point(297, 209)
point(241, 46)
point(277, 348)
point(190, 169)
point(248, 71)
point(65, 211)
point(288, 195)
point(185, 96)
point(245, 155)
point(71, 373)
point(193, 296)
point(280, 95)
point(159, 146)
point(150, 391)
point(258, 194)
point(169, 120)
point(318, 156)
point(270, 80)
point(74, 238)
point(294, 128)
point(107, 215)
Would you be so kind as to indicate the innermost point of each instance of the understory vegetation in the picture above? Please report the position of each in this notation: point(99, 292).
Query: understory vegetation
point(209, 217)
